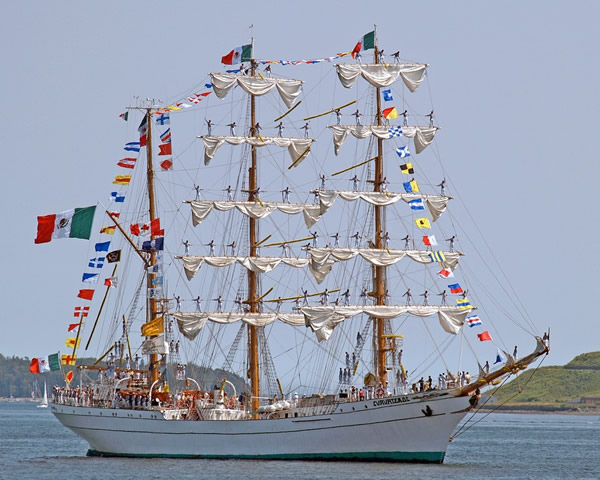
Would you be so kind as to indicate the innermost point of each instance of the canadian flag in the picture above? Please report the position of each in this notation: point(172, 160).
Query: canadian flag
point(152, 228)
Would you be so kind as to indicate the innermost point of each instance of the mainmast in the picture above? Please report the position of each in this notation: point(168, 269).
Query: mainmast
point(151, 315)
point(253, 236)
point(379, 280)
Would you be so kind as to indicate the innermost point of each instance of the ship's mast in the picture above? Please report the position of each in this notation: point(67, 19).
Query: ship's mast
point(253, 237)
point(151, 315)
point(379, 280)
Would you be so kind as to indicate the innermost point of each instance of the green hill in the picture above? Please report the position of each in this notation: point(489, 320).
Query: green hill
point(574, 386)
point(16, 380)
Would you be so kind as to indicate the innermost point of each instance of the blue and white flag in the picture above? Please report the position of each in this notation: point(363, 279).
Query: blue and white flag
point(500, 357)
point(157, 281)
point(96, 262)
point(403, 151)
point(90, 277)
point(163, 119)
point(473, 320)
point(395, 131)
point(117, 197)
point(387, 95)
point(102, 246)
point(417, 204)
point(156, 244)
point(153, 268)
point(133, 146)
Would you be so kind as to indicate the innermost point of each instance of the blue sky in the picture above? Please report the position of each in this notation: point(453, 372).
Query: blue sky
point(514, 85)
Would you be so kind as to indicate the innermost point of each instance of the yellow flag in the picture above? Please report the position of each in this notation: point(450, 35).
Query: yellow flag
point(71, 342)
point(155, 327)
point(423, 222)
point(415, 187)
point(174, 107)
point(122, 180)
point(69, 359)
point(108, 230)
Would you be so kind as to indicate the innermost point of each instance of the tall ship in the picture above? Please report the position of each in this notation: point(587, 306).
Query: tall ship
point(279, 276)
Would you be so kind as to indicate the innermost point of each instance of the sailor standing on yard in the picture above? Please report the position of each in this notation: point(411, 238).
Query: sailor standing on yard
point(280, 128)
point(211, 244)
point(443, 295)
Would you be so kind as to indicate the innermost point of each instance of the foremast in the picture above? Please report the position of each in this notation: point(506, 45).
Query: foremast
point(151, 310)
point(379, 272)
point(253, 239)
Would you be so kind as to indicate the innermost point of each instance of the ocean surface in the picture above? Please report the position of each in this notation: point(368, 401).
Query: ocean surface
point(34, 445)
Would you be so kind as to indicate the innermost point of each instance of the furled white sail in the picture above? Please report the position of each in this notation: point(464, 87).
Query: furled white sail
point(297, 147)
point(382, 74)
point(288, 89)
point(192, 264)
point(201, 209)
point(435, 203)
point(322, 259)
point(190, 323)
point(423, 135)
point(322, 319)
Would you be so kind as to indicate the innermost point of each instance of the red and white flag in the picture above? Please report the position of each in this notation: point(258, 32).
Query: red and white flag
point(446, 273)
point(127, 162)
point(429, 240)
point(81, 312)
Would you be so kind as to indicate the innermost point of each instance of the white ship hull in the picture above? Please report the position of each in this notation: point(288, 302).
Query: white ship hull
point(387, 429)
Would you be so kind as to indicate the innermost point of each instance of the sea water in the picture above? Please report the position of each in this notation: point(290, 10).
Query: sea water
point(34, 445)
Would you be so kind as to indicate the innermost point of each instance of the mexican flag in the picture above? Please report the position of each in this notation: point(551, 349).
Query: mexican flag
point(74, 223)
point(238, 55)
point(45, 364)
point(367, 42)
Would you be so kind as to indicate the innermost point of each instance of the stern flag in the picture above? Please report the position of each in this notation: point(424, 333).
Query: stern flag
point(124, 116)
